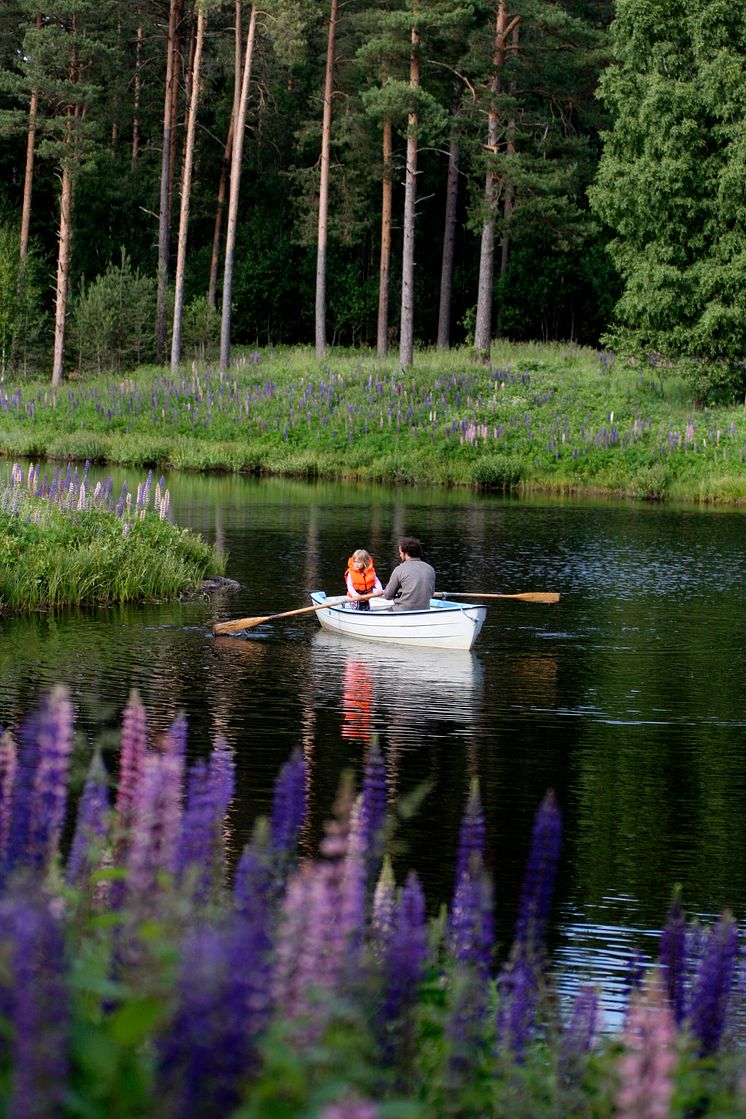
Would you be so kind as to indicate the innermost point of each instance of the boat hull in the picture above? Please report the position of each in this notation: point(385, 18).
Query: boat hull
point(446, 625)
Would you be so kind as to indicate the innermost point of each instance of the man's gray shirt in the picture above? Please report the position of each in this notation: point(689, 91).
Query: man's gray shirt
point(415, 579)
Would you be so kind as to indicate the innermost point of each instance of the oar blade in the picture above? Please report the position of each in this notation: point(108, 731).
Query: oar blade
point(238, 624)
point(537, 596)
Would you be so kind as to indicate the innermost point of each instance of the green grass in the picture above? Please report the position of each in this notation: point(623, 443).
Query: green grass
point(59, 550)
point(552, 418)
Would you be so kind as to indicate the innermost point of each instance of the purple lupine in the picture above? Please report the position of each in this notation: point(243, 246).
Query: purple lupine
point(582, 1030)
point(210, 790)
point(203, 1053)
point(384, 909)
point(471, 924)
point(131, 761)
point(406, 956)
point(91, 823)
point(673, 958)
point(289, 803)
point(8, 767)
point(373, 815)
point(713, 984)
point(538, 882)
point(516, 1011)
point(175, 739)
point(472, 833)
point(41, 792)
point(156, 825)
point(645, 1070)
point(37, 1007)
point(253, 883)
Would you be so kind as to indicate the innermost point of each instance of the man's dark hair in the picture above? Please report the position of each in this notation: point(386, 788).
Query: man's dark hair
point(411, 546)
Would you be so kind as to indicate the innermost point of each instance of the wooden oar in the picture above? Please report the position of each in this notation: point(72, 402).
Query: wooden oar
point(249, 623)
point(526, 596)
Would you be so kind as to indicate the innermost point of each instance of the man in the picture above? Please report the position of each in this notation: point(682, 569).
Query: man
point(412, 583)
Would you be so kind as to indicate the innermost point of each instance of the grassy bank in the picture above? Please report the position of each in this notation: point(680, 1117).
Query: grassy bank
point(63, 543)
point(557, 419)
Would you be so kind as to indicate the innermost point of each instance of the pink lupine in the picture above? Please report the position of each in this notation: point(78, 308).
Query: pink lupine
point(645, 1069)
point(8, 766)
point(131, 760)
point(156, 824)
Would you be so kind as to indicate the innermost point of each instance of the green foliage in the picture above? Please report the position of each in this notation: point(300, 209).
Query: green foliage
point(497, 472)
point(668, 185)
point(20, 297)
point(200, 331)
point(112, 320)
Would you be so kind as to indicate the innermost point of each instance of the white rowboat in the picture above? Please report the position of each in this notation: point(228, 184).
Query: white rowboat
point(446, 625)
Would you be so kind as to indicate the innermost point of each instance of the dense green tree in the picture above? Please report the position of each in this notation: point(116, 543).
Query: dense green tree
point(672, 186)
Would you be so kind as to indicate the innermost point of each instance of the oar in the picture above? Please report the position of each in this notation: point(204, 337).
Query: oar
point(526, 596)
point(249, 623)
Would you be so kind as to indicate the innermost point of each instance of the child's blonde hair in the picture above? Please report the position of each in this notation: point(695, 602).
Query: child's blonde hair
point(361, 556)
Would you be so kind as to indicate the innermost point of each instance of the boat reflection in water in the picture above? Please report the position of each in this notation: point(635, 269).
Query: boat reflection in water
point(400, 692)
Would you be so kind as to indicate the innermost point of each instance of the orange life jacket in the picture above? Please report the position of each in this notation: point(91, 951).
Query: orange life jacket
point(362, 581)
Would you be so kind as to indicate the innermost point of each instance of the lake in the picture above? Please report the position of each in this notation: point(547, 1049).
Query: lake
point(626, 698)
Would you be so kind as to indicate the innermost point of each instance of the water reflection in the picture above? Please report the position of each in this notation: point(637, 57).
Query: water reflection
point(398, 691)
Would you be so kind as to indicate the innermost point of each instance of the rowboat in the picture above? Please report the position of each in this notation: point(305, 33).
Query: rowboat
point(446, 624)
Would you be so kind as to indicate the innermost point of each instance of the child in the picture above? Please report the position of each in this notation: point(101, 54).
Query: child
point(361, 578)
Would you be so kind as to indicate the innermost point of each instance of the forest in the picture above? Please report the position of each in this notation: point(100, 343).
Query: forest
point(186, 175)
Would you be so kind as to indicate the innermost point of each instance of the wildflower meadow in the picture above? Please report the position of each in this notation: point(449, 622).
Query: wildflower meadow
point(147, 967)
point(556, 419)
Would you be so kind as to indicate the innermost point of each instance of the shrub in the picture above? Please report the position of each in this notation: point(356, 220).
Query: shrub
point(497, 472)
point(112, 320)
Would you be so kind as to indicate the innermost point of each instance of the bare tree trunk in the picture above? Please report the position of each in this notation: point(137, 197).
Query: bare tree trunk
point(219, 211)
point(483, 325)
point(236, 157)
point(406, 333)
point(136, 102)
point(225, 166)
point(507, 208)
point(382, 341)
point(163, 216)
point(449, 240)
point(323, 231)
point(63, 270)
point(186, 186)
point(28, 178)
point(175, 92)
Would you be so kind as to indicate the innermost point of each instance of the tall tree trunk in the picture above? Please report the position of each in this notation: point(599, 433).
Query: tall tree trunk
point(226, 163)
point(382, 341)
point(136, 102)
point(507, 208)
point(28, 178)
point(163, 214)
point(236, 157)
point(483, 326)
point(406, 332)
point(175, 92)
point(323, 231)
point(219, 211)
point(63, 267)
point(186, 186)
point(449, 240)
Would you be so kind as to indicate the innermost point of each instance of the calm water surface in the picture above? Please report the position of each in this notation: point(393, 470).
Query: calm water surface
point(627, 698)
